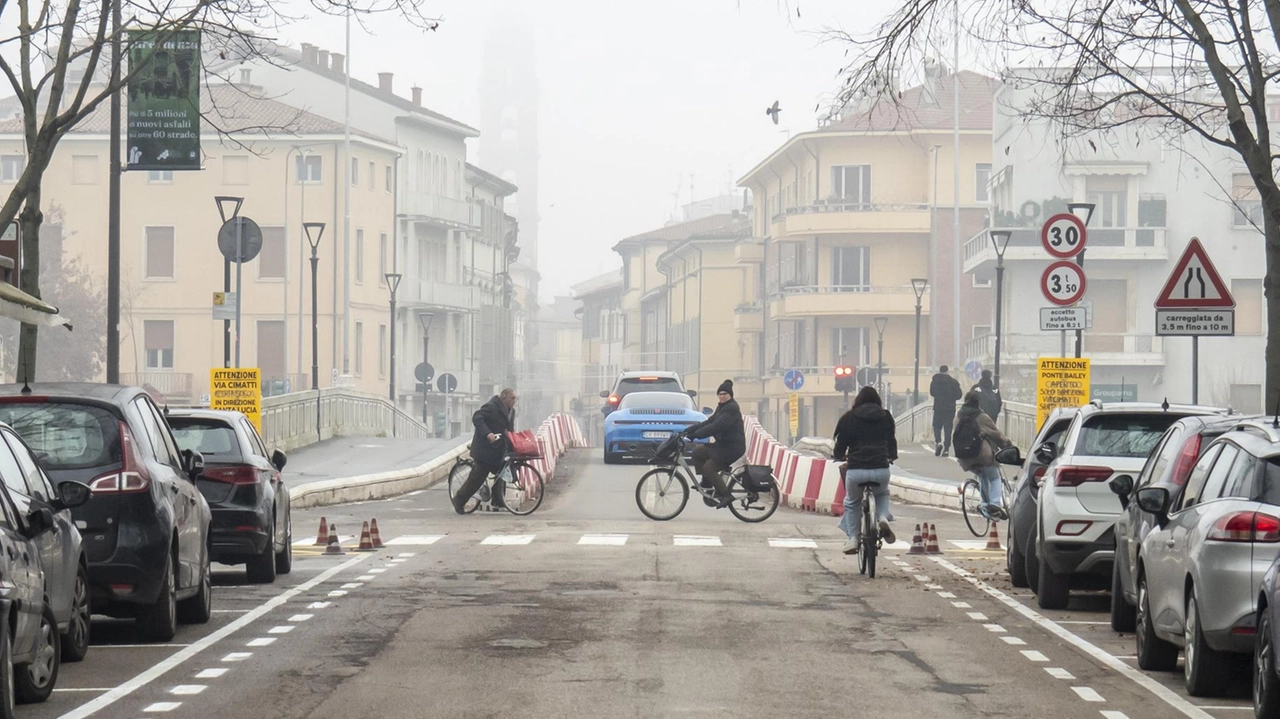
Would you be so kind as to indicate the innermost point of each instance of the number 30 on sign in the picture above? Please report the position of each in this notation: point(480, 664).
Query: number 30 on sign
point(1063, 283)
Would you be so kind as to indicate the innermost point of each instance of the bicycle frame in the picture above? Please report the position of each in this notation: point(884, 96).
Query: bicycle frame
point(692, 476)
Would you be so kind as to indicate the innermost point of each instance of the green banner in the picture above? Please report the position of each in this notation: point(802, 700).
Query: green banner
point(163, 126)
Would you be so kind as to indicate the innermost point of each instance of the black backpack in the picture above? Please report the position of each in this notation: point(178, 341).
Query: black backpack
point(967, 439)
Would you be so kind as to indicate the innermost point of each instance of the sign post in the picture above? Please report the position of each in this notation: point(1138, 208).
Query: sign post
point(239, 240)
point(238, 389)
point(1060, 382)
point(1064, 237)
point(448, 384)
point(1195, 303)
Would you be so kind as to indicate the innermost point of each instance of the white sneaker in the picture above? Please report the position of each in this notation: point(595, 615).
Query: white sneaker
point(851, 546)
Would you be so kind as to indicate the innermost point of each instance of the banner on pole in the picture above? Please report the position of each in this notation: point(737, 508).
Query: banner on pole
point(238, 389)
point(163, 124)
point(1060, 382)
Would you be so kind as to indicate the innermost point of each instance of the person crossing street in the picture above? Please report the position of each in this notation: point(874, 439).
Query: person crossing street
point(946, 392)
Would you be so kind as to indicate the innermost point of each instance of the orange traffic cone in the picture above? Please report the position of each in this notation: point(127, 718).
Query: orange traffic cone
point(917, 544)
point(366, 542)
point(373, 533)
point(322, 537)
point(334, 546)
point(932, 547)
point(993, 538)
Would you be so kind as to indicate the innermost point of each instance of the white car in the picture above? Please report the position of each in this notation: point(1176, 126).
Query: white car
point(1075, 539)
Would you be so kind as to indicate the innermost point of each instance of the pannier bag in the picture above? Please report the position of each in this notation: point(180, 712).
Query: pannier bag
point(758, 478)
point(523, 444)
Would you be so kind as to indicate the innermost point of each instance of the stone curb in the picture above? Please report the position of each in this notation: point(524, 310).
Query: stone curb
point(365, 487)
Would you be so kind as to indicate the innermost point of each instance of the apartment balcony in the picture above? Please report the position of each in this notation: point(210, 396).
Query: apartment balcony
point(749, 251)
point(434, 294)
point(748, 318)
point(172, 386)
point(839, 217)
point(445, 211)
point(826, 301)
point(1102, 348)
point(1105, 243)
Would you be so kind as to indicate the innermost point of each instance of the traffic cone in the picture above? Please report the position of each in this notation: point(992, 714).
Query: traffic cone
point(993, 539)
point(334, 546)
point(373, 533)
point(366, 542)
point(917, 544)
point(932, 547)
point(322, 537)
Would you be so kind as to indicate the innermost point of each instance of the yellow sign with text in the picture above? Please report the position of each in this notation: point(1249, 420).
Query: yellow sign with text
point(238, 389)
point(1060, 382)
point(793, 406)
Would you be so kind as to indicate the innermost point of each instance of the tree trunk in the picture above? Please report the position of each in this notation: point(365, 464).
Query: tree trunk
point(1271, 287)
point(29, 221)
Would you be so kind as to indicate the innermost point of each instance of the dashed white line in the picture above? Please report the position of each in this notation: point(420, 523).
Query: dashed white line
point(283, 629)
point(365, 578)
point(695, 541)
point(405, 554)
point(237, 656)
point(994, 628)
point(1034, 656)
point(337, 593)
point(300, 617)
point(187, 690)
point(377, 570)
point(352, 585)
point(921, 578)
point(319, 605)
point(1014, 641)
point(1059, 673)
point(211, 673)
point(978, 616)
point(163, 707)
point(414, 540)
point(933, 586)
point(792, 543)
point(508, 539)
point(1121, 715)
point(946, 595)
point(961, 605)
point(603, 540)
point(261, 642)
point(1088, 694)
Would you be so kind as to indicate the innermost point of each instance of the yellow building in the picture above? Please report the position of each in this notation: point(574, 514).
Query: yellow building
point(846, 217)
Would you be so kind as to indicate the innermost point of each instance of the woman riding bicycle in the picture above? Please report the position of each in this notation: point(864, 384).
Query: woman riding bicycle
point(865, 443)
point(976, 439)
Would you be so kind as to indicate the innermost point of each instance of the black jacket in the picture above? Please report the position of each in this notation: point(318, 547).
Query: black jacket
point(864, 438)
point(496, 418)
point(946, 392)
point(990, 402)
point(725, 425)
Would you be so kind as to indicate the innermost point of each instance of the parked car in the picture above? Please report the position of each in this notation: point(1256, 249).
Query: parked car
point(146, 526)
point(241, 482)
point(1075, 541)
point(629, 382)
point(1026, 491)
point(645, 420)
point(1169, 466)
point(1200, 569)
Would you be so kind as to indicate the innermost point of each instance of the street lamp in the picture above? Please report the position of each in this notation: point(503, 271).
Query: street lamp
point(918, 285)
point(314, 231)
point(999, 241)
point(393, 284)
point(229, 209)
point(425, 320)
point(1083, 210)
point(881, 322)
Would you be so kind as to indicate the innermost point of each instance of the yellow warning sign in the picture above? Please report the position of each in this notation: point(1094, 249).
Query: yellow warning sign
point(237, 389)
point(793, 406)
point(1060, 382)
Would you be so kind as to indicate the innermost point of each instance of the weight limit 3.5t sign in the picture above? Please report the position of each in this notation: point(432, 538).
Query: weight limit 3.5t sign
point(1063, 283)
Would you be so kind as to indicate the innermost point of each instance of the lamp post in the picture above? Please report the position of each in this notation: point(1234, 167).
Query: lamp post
point(393, 283)
point(1078, 209)
point(229, 209)
point(314, 231)
point(425, 319)
point(881, 322)
point(999, 241)
point(918, 285)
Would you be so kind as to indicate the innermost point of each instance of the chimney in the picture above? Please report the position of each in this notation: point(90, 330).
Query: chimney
point(308, 54)
point(322, 58)
point(417, 96)
point(337, 62)
point(384, 81)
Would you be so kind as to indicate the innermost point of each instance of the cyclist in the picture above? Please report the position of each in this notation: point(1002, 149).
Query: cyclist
point(712, 461)
point(492, 422)
point(866, 446)
point(975, 440)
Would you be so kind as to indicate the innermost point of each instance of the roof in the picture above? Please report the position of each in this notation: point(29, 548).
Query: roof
point(738, 227)
point(919, 109)
point(607, 281)
point(712, 226)
point(482, 176)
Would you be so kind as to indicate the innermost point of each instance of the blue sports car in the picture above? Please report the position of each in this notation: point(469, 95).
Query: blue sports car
point(643, 420)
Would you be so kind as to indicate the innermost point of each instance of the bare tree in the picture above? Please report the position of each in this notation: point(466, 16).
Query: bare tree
point(1173, 67)
point(55, 61)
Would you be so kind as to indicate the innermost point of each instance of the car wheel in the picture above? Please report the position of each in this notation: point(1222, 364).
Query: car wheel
point(159, 622)
point(284, 558)
point(1266, 685)
point(1124, 616)
point(1053, 591)
point(75, 643)
point(262, 568)
point(1033, 566)
point(1203, 667)
point(1015, 562)
point(198, 609)
point(7, 699)
point(34, 682)
point(1154, 653)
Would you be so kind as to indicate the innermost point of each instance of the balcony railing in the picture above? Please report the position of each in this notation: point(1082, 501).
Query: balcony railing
point(422, 205)
point(447, 295)
point(1105, 243)
point(172, 385)
point(1112, 347)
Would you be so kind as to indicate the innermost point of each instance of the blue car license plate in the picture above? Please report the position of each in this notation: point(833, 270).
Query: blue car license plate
point(656, 435)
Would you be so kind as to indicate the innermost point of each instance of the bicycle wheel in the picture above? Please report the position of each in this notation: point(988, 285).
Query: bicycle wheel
point(970, 504)
point(870, 540)
point(1006, 495)
point(461, 470)
point(662, 493)
point(753, 506)
point(524, 495)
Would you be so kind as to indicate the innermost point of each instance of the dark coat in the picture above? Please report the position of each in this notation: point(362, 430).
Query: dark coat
point(865, 438)
point(946, 392)
point(725, 425)
point(496, 418)
point(990, 402)
point(992, 438)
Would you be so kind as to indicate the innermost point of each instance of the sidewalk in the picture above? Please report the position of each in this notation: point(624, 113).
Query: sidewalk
point(357, 456)
point(918, 462)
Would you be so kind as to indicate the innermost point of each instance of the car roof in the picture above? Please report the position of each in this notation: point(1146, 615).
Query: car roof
point(635, 375)
point(198, 413)
point(1259, 436)
point(73, 390)
point(1094, 408)
point(631, 396)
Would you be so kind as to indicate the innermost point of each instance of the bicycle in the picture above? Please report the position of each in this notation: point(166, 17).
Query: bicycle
point(668, 485)
point(971, 502)
point(520, 497)
point(871, 539)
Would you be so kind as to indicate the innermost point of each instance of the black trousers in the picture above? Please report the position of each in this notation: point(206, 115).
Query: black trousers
point(479, 472)
point(705, 462)
point(942, 424)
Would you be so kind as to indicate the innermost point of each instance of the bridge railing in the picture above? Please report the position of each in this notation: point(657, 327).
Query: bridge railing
point(300, 418)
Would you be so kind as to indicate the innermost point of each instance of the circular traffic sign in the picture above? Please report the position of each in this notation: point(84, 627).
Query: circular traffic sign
point(424, 372)
point(793, 379)
point(973, 369)
point(1063, 235)
point(250, 239)
point(447, 383)
point(1063, 283)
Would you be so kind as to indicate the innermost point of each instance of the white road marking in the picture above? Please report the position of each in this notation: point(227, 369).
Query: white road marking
point(508, 539)
point(230, 611)
point(792, 543)
point(81, 689)
point(978, 616)
point(212, 673)
point(902, 564)
point(994, 628)
point(337, 593)
point(237, 656)
point(933, 586)
point(1033, 655)
point(414, 540)
point(377, 570)
point(352, 585)
point(921, 578)
point(1059, 673)
point(1088, 694)
point(1164, 693)
point(603, 540)
point(969, 544)
point(946, 595)
point(261, 642)
point(961, 605)
point(1095, 624)
point(694, 541)
point(318, 605)
point(282, 629)
point(1121, 715)
point(1014, 641)
point(407, 554)
point(163, 707)
point(138, 646)
point(365, 578)
point(188, 689)
point(300, 617)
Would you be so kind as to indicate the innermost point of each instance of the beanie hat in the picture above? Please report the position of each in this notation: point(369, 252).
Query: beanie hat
point(726, 386)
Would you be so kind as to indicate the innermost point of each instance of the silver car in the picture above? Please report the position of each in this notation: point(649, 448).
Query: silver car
point(1200, 568)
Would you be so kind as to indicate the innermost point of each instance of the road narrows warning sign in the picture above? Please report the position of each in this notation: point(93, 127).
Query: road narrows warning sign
point(1194, 283)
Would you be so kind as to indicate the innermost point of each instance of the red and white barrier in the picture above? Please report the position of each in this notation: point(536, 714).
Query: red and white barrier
point(807, 483)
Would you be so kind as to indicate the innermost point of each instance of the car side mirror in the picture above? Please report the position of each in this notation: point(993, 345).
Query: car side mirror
point(192, 464)
point(1155, 500)
point(693, 393)
point(73, 494)
point(1046, 453)
point(604, 394)
point(1122, 487)
point(1010, 455)
point(278, 460)
point(39, 521)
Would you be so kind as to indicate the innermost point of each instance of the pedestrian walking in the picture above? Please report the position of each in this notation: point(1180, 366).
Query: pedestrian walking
point(946, 392)
point(977, 439)
point(991, 402)
point(866, 445)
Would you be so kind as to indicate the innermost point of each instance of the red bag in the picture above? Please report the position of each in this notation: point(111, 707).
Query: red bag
point(524, 445)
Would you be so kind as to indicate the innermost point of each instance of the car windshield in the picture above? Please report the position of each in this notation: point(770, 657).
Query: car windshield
point(648, 384)
point(665, 400)
point(66, 436)
point(213, 439)
point(1123, 435)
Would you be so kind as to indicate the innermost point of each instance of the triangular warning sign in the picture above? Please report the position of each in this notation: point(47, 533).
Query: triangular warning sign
point(1194, 283)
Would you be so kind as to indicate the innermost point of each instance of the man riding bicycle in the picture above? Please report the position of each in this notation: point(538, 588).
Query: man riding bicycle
point(492, 422)
point(725, 426)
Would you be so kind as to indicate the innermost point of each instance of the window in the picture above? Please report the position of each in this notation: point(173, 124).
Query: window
point(851, 269)
point(67, 436)
point(158, 253)
point(851, 184)
point(359, 348)
point(1159, 459)
point(382, 350)
point(1195, 483)
point(372, 174)
point(851, 346)
point(382, 259)
point(157, 335)
point(390, 180)
point(35, 484)
point(1241, 482)
point(1246, 208)
point(359, 257)
point(1122, 435)
point(418, 174)
point(980, 282)
point(235, 170)
point(1218, 475)
point(271, 347)
point(1248, 296)
point(84, 169)
point(981, 176)
point(166, 450)
point(11, 473)
point(11, 167)
point(271, 263)
point(1246, 398)
point(1110, 193)
point(307, 168)
point(355, 172)
point(160, 177)
point(981, 331)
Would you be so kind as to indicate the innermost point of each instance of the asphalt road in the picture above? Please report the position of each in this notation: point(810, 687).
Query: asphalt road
point(586, 609)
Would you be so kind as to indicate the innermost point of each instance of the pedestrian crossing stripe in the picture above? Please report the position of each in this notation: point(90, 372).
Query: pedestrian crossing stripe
point(786, 543)
point(312, 543)
point(968, 543)
point(415, 540)
point(608, 540)
point(508, 539)
point(695, 541)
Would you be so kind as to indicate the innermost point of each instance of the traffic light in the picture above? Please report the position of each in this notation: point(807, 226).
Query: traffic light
point(844, 378)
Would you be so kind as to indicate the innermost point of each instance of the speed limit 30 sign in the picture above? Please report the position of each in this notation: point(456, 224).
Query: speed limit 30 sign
point(1063, 283)
point(1063, 236)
